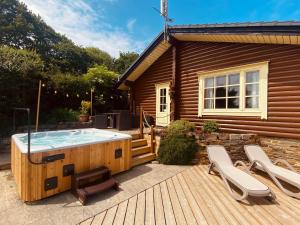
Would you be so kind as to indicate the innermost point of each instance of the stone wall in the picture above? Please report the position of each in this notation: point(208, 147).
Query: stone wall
point(233, 143)
point(282, 148)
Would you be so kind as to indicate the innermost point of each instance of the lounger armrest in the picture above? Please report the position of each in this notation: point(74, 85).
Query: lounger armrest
point(285, 163)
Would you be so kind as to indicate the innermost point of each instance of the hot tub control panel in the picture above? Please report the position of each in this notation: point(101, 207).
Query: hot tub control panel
point(52, 158)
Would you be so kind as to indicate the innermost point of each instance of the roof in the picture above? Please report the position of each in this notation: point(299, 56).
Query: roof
point(257, 32)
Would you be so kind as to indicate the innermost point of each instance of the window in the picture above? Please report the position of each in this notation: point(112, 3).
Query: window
point(222, 92)
point(240, 91)
point(163, 100)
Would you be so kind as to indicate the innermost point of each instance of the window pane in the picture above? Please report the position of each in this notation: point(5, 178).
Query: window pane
point(209, 93)
point(221, 81)
point(209, 82)
point(163, 92)
point(252, 102)
point(252, 76)
point(233, 103)
point(221, 103)
point(163, 108)
point(233, 91)
point(208, 103)
point(221, 92)
point(234, 79)
point(252, 89)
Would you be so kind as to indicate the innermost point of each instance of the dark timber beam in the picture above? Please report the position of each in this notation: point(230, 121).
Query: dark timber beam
point(173, 85)
point(128, 83)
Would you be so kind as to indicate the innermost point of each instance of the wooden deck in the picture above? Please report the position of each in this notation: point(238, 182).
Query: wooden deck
point(195, 197)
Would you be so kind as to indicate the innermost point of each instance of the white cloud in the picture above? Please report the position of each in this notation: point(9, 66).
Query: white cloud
point(84, 25)
point(130, 24)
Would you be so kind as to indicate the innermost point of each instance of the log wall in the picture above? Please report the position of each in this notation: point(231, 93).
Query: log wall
point(192, 57)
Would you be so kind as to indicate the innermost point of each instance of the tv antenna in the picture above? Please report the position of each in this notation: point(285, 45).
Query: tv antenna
point(164, 13)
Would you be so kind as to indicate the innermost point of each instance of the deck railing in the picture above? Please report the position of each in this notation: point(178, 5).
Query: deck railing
point(152, 130)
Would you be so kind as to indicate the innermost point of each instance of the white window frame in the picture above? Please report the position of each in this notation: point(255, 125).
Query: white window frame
point(261, 111)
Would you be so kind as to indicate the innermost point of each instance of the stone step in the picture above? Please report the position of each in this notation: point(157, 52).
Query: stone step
point(136, 136)
point(141, 159)
point(138, 143)
point(140, 150)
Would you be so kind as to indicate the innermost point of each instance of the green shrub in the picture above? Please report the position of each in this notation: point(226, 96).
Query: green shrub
point(210, 127)
point(178, 146)
point(177, 149)
point(63, 115)
point(180, 127)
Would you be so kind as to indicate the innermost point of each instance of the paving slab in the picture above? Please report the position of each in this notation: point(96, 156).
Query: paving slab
point(65, 209)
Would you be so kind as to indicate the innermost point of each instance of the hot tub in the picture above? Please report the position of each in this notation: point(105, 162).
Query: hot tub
point(63, 153)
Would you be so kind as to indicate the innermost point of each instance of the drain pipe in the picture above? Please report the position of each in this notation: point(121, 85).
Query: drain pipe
point(28, 133)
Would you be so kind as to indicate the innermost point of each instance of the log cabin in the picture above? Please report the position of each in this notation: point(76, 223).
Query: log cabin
point(245, 76)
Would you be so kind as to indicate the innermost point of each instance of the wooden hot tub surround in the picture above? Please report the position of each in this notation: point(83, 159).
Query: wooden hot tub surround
point(36, 182)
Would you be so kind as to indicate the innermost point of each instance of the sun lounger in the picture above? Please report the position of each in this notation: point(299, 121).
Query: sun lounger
point(247, 184)
point(261, 161)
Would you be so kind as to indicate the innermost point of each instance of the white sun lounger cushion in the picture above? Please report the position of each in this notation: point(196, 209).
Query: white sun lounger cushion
point(237, 176)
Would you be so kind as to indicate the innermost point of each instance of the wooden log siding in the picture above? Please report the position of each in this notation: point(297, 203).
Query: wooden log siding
point(192, 57)
point(144, 86)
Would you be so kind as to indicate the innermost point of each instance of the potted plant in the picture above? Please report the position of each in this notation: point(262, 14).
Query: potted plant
point(84, 111)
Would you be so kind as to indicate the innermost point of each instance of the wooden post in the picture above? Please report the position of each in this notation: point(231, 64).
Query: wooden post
point(38, 107)
point(92, 101)
point(152, 139)
point(141, 122)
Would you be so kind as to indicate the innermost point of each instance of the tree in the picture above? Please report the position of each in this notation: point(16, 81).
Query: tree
point(102, 81)
point(22, 29)
point(122, 63)
point(70, 58)
point(19, 72)
point(99, 57)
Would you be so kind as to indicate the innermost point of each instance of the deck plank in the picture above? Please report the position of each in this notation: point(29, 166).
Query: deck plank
point(168, 209)
point(158, 205)
point(241, 213)
point(253, 209)
point(150, 210)
point(191, 209)
point(98, 219)
point(178, 213)
point(254, 205)
point(130, 213)
point(140, 209)
point(196, 197)
point(121, 212)
point(110, 216)
point(218, 202)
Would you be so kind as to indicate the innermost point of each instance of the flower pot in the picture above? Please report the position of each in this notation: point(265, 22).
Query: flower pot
point(83, 118)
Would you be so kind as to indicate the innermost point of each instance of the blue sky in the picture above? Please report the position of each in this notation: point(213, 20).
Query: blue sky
point(130, 25)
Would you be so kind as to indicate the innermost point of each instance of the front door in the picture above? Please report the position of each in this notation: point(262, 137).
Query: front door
point(162, 104)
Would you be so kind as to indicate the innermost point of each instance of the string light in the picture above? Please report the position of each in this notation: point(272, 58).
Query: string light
point(86, 93)
point(43, 85)
point(55, 92)
point(67, 95)
point(77, 95)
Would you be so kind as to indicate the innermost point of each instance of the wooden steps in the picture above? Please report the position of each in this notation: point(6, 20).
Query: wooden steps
point(138, 143)
point(141, 159)
point(141, 152)
point(135, 136)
